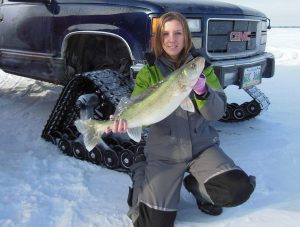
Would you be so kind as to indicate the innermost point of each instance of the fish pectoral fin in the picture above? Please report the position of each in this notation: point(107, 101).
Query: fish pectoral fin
point(187, 105)
point(135, 133)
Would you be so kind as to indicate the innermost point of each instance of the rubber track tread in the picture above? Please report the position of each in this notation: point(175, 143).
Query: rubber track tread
point(110, 87)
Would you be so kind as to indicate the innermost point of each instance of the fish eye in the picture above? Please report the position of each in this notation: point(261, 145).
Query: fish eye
point(193, 66)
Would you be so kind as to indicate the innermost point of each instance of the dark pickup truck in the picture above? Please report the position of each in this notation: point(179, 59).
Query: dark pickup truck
point(96, 47)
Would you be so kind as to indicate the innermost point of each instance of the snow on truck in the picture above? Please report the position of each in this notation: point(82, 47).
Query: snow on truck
point(96, 47)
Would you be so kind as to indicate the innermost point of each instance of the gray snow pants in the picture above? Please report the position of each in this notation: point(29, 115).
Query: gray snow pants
point(157, 184)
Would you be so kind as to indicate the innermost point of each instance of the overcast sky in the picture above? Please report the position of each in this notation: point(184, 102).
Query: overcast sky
point(281, 12)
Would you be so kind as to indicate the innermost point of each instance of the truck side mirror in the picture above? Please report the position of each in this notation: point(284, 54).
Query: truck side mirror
point(269, 23)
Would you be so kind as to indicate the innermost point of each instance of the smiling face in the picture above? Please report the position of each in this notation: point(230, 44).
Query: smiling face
point(173, 38)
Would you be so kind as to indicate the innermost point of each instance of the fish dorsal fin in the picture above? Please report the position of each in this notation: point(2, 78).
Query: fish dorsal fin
point(187, 105)
point(135, 133)
point(123, 104)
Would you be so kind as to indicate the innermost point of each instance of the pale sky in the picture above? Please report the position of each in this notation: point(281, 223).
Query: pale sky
point(281, 12)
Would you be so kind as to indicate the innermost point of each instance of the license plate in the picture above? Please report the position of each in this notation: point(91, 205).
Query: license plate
point(251, 76)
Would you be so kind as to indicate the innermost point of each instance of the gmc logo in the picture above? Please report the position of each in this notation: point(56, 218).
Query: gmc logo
point(239, 36)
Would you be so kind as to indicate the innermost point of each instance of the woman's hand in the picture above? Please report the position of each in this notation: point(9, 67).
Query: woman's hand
point(118, 125)
point(200, 87)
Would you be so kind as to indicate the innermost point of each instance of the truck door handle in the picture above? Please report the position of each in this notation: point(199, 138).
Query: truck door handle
point(1, 17)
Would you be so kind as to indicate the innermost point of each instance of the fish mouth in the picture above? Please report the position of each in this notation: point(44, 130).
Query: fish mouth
point(194, 76)
point(193, 71)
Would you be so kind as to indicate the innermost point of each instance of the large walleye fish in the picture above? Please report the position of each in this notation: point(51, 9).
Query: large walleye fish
point(151, 106)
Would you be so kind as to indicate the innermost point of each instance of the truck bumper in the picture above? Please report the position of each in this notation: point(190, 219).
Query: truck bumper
point(230, 72)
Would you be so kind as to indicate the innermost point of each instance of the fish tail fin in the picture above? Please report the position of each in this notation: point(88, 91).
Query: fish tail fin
point(91, 134)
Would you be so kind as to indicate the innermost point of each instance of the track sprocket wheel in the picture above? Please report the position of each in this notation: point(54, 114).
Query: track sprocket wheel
point(239, 113)
point(65, 146)
point(110, 159)
point(126, 158)
point(95, 156)
point(253, 108)
point(79, 151)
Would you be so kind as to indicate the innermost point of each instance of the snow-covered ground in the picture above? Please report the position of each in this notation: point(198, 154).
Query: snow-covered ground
point(39, 186)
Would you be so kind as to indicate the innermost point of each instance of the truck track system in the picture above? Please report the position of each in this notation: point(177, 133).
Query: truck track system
point(109, 87)
point(247, 110)
point(106, 88)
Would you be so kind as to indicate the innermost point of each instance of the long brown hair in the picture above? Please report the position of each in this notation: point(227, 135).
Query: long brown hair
point(158, 37)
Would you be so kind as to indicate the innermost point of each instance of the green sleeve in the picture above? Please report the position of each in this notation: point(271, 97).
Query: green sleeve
point(146, 77)
point(211, 78)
